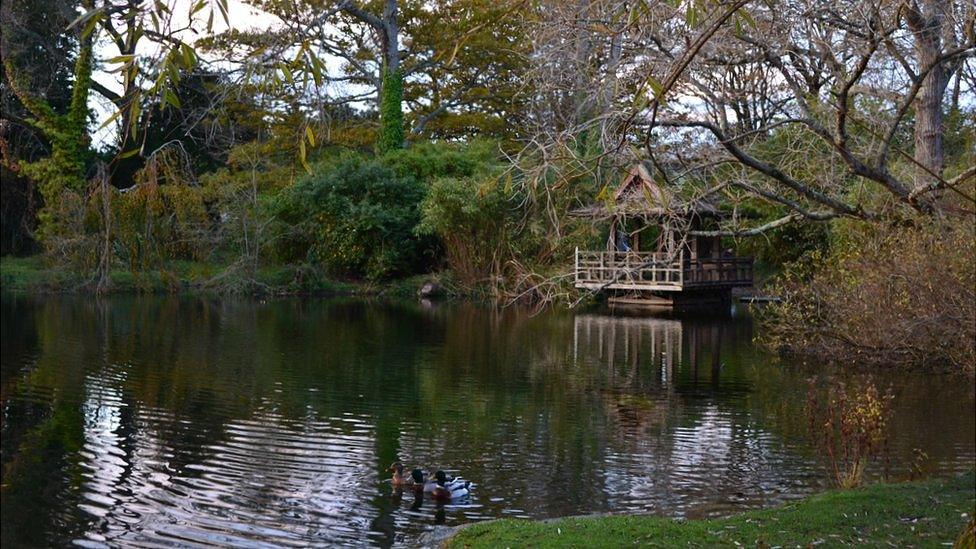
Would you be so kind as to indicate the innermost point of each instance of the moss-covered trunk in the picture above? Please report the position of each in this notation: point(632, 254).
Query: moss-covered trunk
point(391, 112)
point(391, 86)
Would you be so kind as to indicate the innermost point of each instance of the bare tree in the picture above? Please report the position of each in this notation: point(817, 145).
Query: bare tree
point(702, 90)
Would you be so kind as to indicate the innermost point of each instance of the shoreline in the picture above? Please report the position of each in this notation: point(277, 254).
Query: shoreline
point(30, 276)
point(930, 512)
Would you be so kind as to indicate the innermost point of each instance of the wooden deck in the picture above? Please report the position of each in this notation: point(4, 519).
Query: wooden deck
point(659, 272)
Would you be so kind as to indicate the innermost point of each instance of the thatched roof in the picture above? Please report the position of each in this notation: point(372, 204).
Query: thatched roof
point(640, 196)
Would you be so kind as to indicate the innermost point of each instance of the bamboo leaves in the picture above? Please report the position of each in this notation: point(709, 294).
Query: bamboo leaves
point(87, 20)
point(153, 53)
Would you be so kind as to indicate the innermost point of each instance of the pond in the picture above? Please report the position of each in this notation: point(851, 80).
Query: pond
point(191, 421)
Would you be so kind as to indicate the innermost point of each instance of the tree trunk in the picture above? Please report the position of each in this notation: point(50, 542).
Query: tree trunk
point(927, 28)
point(390, 92)
point(391, 32)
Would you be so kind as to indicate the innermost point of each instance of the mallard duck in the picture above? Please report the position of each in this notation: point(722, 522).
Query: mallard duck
point(398, 480)
point(449, 488)
point(420, 481)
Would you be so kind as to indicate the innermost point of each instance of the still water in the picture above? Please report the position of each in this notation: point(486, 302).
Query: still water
point(166, 421)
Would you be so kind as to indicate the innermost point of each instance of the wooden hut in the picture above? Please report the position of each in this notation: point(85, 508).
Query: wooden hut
point(653, 256)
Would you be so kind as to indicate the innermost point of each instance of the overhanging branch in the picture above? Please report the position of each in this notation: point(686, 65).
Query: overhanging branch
point(754, 231)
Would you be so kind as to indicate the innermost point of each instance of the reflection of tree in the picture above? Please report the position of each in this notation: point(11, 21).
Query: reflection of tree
point(40, 437)
point(19, 335)
point(301, 406)
point(40, 479)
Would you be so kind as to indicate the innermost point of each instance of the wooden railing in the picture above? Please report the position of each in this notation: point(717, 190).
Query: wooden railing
point(658, 271)
point(718, 271)
point(628, 270)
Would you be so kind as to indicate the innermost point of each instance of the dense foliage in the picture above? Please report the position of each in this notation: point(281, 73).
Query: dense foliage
point(885, 296)
point(358, 218)
point(473, 217)
point(391, 134)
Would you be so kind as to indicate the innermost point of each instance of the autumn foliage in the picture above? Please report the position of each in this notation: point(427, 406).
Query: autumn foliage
point(886, 296)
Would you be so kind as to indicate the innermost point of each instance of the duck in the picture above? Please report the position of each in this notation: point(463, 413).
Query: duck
point(446, 489)
point(398, 480)
point(420, 481)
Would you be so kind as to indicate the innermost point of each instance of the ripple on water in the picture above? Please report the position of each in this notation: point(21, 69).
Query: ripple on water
point(267, 482)
point(235, 424)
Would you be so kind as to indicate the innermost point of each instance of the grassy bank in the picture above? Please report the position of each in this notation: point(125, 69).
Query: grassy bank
point(33, 275)
point(930, 513)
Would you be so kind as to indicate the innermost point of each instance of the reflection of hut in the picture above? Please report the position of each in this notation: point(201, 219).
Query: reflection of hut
point(637, 356)
point(631, 342)
point(654, 255)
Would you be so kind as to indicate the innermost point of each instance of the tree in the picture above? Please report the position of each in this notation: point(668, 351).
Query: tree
point(64, 172)
point(935, 40)
point(387, 34)
point(66, 131)
point(478, 89)
point(391, 52)
point(150, 59)
point(34, 34)
point(702, 85)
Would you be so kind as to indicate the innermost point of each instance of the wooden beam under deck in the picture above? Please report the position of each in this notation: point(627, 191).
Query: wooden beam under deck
point(628, 286)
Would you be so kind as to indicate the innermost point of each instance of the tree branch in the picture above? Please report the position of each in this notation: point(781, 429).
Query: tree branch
point(106, 93)
point(767, 169)
point(760, 229)
point(355, 10)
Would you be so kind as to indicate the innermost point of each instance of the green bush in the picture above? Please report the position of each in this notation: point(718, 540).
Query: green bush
point(470, 215)
point(428, 161)
point(357, 218)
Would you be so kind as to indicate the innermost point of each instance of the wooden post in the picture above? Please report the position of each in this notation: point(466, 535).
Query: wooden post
point(576, 274)
point(681, 269)
point(576, 331)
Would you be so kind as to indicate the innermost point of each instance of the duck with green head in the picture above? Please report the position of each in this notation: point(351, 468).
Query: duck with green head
point(420, 481)
point(446, 488)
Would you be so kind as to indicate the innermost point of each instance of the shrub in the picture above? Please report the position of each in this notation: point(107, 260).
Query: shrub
point(357, 218)
point(894, 295)
point(241, 194)
point(470, 215)
point(429, 161)
point(73, 240)
point(162, 217)
point(155, 223)
point(849, 427)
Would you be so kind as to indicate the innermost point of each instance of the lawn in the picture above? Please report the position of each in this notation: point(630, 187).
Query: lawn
point(922, 514)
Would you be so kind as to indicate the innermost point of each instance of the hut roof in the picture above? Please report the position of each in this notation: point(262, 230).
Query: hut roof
point(640, 196)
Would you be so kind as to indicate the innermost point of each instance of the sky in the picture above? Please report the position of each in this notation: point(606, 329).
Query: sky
point(240, 16)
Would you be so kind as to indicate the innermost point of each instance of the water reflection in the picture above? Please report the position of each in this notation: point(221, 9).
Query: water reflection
point(194, 422)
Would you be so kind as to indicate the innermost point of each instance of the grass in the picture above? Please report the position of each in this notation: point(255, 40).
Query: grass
point(923, 514)
point(33, 275)
point(26, 274)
